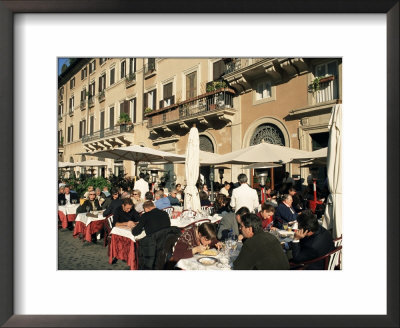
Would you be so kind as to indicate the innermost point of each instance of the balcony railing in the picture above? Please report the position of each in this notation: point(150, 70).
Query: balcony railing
point(91, 101)
point(327, 91)
point(101, 96)
point(149, 68)
point(203, 104)
point(130, 79)
point(83, 104)
point(239, 63)
point(107, 132)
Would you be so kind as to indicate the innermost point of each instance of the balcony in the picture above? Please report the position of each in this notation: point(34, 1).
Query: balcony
point(130, 80)
point(121, 135)
point(205, 110)
point(83, 104)
point(91, 101)
point(101, 96)
point(71, 112)
point(324, 89)
point(149, 70)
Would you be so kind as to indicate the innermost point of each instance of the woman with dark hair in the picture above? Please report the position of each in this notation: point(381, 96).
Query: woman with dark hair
point(204, 201)
point(221, 205)
point(195, 239)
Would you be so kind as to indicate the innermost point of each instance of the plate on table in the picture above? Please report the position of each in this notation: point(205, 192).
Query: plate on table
point(207, 260)
point(285, 234)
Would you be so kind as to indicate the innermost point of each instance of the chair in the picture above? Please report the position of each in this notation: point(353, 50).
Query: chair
point(169, 210)
point(188, 211)
point(331, 261)
point(107, 229)
point(338, 242)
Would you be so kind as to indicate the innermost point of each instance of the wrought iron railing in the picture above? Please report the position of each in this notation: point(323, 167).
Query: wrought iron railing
point(101, 96)
point(91, 101)
point(149, 68)
point(83, 104)
point(212, 101)
point(130, 79)
point(108, 132)
point(239, 63)
point(327, 91)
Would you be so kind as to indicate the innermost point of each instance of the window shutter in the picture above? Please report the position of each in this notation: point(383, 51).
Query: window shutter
point(134, 111)
point(94, 64)
point(94, 88)
point(145, 101)
point(168, 90)
point(80, 129)
point(218, 69)
point(91, 124)
point(72, 133)
point(155, 99)
point(111, 117)
point(112, 76)
point(161, 104)
point(126, 107)
point(172, 100)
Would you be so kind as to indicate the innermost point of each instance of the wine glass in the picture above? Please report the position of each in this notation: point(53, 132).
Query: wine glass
point(87, 209)
point(62, 202)
point(285, 226)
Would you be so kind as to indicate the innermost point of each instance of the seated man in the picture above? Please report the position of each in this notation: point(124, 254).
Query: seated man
point(260, 250)
point(173, 199)
point(125, 215)
point(152, 220)
point(67, 197)
point(285, 213)
point(297, 200)
point(231, 221)
point(311, 241)
point(115, 203)
point(91, 204)
point(161, 201)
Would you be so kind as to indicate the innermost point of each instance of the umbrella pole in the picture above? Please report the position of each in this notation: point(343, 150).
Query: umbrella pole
point(272, 179)
point(136, 169)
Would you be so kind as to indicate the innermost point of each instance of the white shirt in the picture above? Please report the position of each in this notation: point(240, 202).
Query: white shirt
point(67, 199)
point(225, 192)
point(244, 196)
point(143, 186)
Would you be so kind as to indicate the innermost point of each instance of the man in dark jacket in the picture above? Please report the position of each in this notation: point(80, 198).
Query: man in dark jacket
point(151, 220)
point(311, 241)
point(285, 212)
point(91, 204)
point(125, 215)
point(261, 250)
point(67, 197)
point(115, 203)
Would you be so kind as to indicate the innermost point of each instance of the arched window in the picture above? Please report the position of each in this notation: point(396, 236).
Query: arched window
point(206, 144)
point(269, 133)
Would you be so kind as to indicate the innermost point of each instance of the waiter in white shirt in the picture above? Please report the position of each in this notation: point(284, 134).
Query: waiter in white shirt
point(142, 184)
point(244, 195)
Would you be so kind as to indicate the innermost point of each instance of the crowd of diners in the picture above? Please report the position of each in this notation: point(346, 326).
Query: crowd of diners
point(244, 218)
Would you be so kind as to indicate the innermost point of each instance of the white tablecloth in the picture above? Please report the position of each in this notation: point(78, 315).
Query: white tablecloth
point(224, 262)
point(82, 217)
point(68, 209)
point(182, 222)
point(127, 233)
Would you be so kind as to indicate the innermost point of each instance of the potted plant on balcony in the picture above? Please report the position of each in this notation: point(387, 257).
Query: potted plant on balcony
point(148, 110)
point(124, 119)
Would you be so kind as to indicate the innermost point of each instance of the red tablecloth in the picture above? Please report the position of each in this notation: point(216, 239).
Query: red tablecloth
point(66, 218)
point(89, 230)
point(123, 248)
point(79, 229)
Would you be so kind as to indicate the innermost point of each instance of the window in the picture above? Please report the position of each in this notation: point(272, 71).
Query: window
point(92, 89)
point(132, 65)
point(71, 104)
point(82, 128)
point(60, 138)
point(91, 125)
point(151, 62)
point(168, 99)
point(60, 109)
point(123, 69)
point(102, 82)
point(263, 90)
point(112, 76)
point(111, 117)
point(62, 92)
point(92, 66)
point(124, 107)
point(326, 69)
point(218, 69)
point(83, 95)
point(84, 73)
point(72, 83)
point(150, 99)
point(191, 85)
point(102, 61)
point(70, 133)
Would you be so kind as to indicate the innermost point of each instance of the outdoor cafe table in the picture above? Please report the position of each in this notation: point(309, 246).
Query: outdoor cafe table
point(182, 222)
point(86, 225)
point(67, 213)
point(123, 246)
point(224, 261)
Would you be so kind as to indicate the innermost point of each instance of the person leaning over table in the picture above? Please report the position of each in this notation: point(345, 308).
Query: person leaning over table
point(267, 216)
point(261, 250)
point(92, 203)
point(152, 220)
point(125, 215)
point(115, 203)
point(195, 239)
point(311, 241)
point(231, 221)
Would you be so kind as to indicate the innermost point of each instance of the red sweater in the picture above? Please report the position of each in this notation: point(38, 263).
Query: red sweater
point(265, 222)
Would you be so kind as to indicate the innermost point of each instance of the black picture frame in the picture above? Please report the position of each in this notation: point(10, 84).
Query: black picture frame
point(7, 11)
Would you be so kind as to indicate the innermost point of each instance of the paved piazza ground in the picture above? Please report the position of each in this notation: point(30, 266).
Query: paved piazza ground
point(73, 254)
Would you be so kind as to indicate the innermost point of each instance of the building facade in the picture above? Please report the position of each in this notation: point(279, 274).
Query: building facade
point(234, 102)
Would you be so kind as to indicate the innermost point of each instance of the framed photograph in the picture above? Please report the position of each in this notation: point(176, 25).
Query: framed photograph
point(34, 34)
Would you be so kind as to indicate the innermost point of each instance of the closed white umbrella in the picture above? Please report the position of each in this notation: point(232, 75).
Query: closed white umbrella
point(192, 163)
point(65, 164)
point(333, 210)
